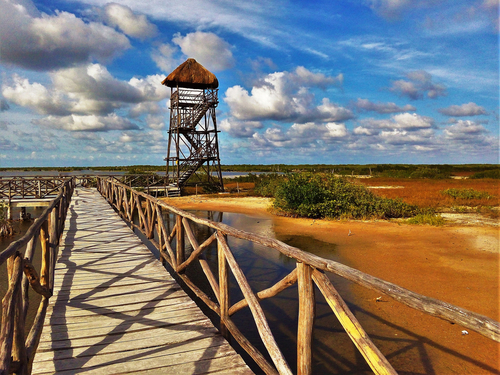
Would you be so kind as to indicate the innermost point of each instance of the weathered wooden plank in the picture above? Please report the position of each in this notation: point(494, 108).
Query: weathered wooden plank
point(146, 297)
point(91, 284)
point(198, 361)
point(86, 347)
point(163, 325)
point(128, 339)
point(116, 291)
point(144, 310)
point(115, 309)
point(92, 311)
point(84, 273)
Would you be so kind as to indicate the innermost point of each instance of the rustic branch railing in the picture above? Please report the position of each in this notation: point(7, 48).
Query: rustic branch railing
point(310, 270)
point(16, 351)
point(40, 187)
point(30, 187)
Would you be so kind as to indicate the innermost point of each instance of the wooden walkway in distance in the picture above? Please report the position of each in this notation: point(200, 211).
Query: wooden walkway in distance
point(115, 308)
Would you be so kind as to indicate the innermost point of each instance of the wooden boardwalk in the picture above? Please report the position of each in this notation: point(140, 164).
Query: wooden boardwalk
point(115, 308)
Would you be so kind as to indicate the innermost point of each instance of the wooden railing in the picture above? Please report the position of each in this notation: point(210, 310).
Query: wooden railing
point(30, 187)
point(16, 350)
point(40, 187)
point(309, 271)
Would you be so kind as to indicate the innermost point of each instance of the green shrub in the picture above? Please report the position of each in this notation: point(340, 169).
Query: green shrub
point(267, 184)
point(493, 173)
point(327, 196)
point(426, 219)
point(419, 172)
point(466, 194)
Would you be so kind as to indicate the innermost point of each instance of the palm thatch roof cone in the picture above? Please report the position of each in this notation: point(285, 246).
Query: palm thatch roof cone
point(191, 74)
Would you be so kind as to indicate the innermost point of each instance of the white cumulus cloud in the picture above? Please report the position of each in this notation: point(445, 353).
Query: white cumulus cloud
point(464, 130)
point(286, 96)
point(164, 58)
point(45, 42)
point(130, 23)
point(467, 109)
point(210, 50)
point(35, 96)
point(84, 90)
point(90, 123)
point(390, 107)
point(240, 129)
point(419, 84)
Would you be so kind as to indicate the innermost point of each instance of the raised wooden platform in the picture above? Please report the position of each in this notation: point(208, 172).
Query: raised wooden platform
point(115, 308)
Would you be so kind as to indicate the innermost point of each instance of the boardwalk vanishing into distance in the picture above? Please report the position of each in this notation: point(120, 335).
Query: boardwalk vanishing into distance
point(108, 306)
point(115, 309)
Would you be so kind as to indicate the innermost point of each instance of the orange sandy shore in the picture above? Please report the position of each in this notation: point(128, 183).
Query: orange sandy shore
point(456, 264)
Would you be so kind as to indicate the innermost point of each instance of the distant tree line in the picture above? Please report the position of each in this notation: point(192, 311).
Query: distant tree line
point(378, 170)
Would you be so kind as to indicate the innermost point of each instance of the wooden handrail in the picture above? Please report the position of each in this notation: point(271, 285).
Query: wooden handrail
point(17, 351)
point(310, 269)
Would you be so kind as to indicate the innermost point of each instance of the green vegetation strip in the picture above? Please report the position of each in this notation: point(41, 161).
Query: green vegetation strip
point(466, 194)
point(326, 196)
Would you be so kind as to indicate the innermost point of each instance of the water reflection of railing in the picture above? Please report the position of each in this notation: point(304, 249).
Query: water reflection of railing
point(308, 272)
point(16, 350)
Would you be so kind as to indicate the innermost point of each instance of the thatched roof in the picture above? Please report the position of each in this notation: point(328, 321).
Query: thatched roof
point(192, 75)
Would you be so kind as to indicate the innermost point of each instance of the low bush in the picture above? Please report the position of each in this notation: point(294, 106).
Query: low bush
point(267, 184)
point(493, 173)
point(419, 172)
point(327, 196)
point(426, 219)
point(466, 194)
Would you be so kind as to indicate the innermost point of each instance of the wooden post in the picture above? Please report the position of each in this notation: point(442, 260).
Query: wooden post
point(375, 359)
point(223, 290)
point(9, 307)
point(54, 241)
point(18, 348)
point(306, 319)
point(257, 312)
point(44, 243)
point(180, 239)
point(30, 250)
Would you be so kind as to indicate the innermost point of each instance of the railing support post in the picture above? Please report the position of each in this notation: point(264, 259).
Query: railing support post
point(306, 319)
point(223, 290)
point(180, 240)
point(44, 243)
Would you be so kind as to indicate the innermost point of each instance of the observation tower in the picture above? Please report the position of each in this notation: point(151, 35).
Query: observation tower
point(193, 147)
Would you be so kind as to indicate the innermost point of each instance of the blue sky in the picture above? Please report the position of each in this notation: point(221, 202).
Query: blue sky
point(301, 82)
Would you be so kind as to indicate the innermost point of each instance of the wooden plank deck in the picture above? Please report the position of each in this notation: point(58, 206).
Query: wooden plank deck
point(115, 308)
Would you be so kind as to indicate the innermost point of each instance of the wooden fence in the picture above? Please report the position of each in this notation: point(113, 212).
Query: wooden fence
point(309, 271)
point(30, 187)
point(40, 187)
point(16, 350)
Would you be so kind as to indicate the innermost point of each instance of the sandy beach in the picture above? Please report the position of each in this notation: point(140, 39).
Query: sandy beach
point(455, 263)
